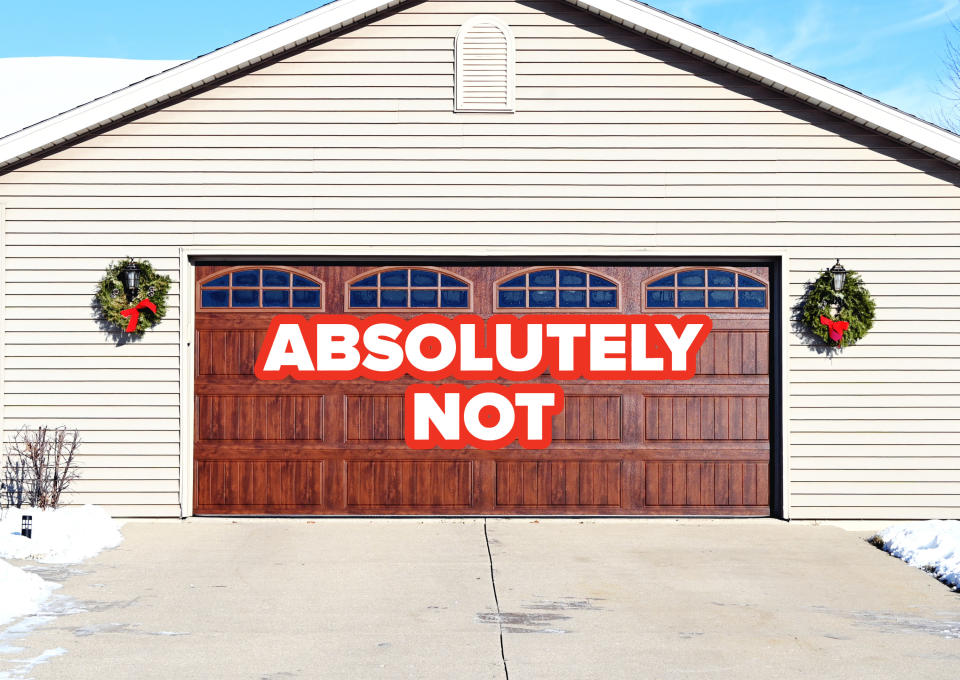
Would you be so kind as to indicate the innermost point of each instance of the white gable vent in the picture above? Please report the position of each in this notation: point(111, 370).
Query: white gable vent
point(485, 66)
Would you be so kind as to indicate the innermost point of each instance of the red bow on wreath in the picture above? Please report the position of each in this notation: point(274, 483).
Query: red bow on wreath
point(134, 313)
point(836, 328)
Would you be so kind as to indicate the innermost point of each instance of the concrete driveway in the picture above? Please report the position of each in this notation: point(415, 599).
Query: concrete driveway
point(510, 599)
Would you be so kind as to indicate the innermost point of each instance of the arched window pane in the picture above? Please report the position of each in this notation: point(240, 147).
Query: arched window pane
point(274, 278)
point(409, 289)
point(706, 288)
point(690, 278)
point(720, 279)
point(261, 288)
point(557, 288)
point(246, 278)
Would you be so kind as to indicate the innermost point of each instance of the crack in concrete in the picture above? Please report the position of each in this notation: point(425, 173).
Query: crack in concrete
point(496, 600)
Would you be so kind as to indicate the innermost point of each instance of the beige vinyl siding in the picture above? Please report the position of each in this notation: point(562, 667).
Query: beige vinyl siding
point(619, 146)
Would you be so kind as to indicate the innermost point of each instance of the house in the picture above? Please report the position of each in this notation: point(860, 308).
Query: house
point(489, 158)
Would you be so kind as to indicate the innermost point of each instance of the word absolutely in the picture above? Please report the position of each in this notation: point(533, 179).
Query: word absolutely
point(503, 348)
point(432, 347)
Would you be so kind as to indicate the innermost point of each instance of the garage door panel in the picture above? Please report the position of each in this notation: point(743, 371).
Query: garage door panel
point(734, 353)
point(706, 484)
point(589, 418)
point(530, 483)
point(228, 352)
point(696, 418)
point(277, 485)
point(260, 417)
point(374, 417)
point(700, 446)
point(408, 483)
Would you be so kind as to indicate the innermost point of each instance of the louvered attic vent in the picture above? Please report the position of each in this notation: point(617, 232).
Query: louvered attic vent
point(485, 66)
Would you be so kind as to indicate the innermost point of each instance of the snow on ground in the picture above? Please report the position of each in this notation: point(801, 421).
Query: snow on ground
point(932, 545)
point(60, 536)
point(37, 88)
point(21, 593)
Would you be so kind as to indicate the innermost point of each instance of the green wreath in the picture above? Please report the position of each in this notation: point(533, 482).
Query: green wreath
point(112, 297)
point(853, 305)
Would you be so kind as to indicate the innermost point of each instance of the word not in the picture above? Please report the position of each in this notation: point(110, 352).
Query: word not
point(486, 416)
point(433, 347)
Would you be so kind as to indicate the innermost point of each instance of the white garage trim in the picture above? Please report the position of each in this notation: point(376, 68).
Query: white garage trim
point(3, 302)
point(249, 253)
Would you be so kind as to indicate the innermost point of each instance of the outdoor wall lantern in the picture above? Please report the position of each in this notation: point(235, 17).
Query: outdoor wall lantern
point(131, 279)
point(839, 276)
point(26, 529)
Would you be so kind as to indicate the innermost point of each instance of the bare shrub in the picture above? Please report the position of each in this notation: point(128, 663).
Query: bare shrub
point(39, 466)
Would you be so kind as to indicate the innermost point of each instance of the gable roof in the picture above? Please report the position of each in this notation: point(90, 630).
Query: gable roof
point(48, 135)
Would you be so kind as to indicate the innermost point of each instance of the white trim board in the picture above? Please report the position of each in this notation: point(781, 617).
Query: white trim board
point(3, 306)
point(288, 36)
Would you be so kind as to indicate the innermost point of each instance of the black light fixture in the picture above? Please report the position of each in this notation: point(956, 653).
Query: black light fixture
point(839, 276)
point(131, 279)
point(26, 528)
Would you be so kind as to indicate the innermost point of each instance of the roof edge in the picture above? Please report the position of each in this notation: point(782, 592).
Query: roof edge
point(779, 75)
point(20, 147)
point(183, 79)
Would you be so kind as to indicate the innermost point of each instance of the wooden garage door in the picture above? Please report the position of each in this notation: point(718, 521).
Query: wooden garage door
point(630, 448)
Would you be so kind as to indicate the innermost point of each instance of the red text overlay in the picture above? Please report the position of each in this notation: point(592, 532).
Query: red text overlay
point(504, 348)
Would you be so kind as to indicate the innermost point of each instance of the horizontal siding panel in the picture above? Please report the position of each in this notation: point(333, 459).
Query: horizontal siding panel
point(121, 497)
point(892, 458)
point(86, 387)
point(513, 175)
point(879, 512)
point(812, 416)
point(81, 351)
point(903, 389)
point(94, 464)
point(118, 362)
point(834, 210)
point(113, 411)
point(91, 473)
point(888, 500)
point(123, 449)
point(827, 479)
point(844, 438)
point(170, 511)
point(85, 399)
point(383, 185)
point(99, 429)
point(868, 488)
point(86, 485)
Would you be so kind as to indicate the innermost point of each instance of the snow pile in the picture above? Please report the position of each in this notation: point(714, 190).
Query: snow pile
point(933, 546)
point(21, 593)
point(64, 535)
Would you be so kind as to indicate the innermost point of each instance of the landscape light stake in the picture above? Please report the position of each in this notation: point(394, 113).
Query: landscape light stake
point(26, 529)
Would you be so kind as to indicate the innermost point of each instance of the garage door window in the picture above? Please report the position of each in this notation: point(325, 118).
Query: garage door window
point(568, 289)
point(706, 288)
point(408, 289)
point(249, 289)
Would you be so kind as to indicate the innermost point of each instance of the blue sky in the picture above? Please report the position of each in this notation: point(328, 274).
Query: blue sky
point(889, 49)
